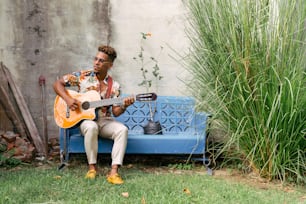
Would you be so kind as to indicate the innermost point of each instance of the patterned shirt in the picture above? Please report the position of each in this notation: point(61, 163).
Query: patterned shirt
point(87, 80)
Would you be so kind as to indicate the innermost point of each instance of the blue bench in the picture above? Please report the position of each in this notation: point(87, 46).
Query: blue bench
point(183, 130)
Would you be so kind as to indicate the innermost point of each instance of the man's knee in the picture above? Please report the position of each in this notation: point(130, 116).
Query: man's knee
point(89, 127)
point(122, 132)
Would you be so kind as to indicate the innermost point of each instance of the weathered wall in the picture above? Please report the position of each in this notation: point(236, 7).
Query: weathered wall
point(51, 38)
point(165, 20)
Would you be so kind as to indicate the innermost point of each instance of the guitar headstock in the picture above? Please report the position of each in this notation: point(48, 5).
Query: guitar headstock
point(146, 97)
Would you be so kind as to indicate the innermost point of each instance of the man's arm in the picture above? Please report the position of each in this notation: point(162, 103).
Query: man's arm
point(118, 110)
point(59, 88)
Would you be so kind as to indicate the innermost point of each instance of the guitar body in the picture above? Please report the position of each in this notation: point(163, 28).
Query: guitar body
point(68, 119)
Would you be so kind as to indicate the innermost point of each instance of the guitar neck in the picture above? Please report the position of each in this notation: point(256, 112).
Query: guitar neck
point(105, 102)
point(110, 101)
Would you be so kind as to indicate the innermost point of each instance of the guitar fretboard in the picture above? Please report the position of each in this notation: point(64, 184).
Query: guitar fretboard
point(105, 102)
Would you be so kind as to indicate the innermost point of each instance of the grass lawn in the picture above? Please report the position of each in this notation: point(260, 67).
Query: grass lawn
point(143, 184)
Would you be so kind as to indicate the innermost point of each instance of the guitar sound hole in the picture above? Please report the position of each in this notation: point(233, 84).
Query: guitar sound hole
point(85, 105)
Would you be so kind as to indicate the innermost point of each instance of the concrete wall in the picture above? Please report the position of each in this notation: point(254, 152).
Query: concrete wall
point(51, 38)
point(165, 20)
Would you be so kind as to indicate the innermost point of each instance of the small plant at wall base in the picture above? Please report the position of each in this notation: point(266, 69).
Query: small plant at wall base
point(150, 73)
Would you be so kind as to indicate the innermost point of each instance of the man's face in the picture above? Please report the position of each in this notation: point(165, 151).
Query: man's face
point(102, 63)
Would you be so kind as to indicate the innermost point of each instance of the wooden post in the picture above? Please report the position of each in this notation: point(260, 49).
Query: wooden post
point(42, 84)
point(11, 112)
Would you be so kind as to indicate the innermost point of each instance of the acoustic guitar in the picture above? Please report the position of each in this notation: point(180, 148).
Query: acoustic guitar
point(66, 118)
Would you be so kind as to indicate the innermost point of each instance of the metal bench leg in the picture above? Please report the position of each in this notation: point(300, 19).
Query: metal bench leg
point(207, 161)
point(63, 154)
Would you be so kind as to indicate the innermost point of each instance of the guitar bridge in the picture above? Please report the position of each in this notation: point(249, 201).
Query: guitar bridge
point(67, 112)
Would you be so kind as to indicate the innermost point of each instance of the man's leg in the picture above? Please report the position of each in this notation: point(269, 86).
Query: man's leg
point(90, 131)
point(112, 129)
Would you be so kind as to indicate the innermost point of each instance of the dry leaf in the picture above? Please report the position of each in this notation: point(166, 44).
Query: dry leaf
point(125, 194)
point(289, 190)
point(129, 166)
point(143, 200)
point(187, 191)
point(57, 177)
point(303, 198)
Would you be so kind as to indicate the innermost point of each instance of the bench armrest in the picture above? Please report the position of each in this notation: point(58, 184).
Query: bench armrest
point(201, 122)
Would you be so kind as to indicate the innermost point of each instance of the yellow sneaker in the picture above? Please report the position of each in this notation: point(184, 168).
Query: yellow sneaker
point(115, 179)
point(91, 174)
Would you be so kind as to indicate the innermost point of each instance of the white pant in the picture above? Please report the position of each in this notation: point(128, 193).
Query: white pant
point(105, 127)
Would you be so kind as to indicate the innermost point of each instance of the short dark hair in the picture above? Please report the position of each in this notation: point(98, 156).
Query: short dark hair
point(111, 52)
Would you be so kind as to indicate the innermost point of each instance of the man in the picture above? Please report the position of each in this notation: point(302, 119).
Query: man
point(105, 126)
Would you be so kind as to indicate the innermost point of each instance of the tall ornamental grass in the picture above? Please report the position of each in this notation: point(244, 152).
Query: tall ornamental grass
point(248, 64)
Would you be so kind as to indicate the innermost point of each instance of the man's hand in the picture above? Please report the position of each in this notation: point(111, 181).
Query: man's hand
point(128, 101)
point(118, 110)
point(73, 104)
point(59, 88)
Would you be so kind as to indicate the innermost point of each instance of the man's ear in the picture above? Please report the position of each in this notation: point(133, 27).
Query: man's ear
point(110, 65)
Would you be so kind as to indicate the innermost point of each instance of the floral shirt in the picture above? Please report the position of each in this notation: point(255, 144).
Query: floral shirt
point(87, 80)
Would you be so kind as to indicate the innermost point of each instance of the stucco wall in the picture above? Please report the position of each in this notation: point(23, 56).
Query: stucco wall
point(51, 38)
point(165, 20)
